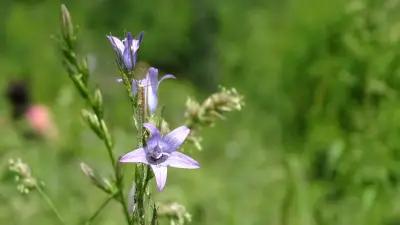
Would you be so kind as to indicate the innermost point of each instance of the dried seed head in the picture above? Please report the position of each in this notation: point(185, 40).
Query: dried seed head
point(213, 108)
point(23, 176)
point(175, 212)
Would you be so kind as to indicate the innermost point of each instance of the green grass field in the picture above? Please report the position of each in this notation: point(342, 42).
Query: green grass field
point(317, 142)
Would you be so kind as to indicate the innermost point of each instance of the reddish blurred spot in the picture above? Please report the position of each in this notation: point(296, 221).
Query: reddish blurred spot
point(38, 117)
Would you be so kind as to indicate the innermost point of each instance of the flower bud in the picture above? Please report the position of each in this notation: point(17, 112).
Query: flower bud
point(98, 101)
point(83, 66)
point(98, 181)
point(67, 28)
point(80, 85)
point(93, 122)
point(106, 133)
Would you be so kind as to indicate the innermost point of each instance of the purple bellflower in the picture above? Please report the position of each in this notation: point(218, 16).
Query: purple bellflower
point(150, 84)
point(160, 151)
point(126, 50)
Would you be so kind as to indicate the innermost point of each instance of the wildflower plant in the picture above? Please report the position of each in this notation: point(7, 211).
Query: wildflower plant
point(157, 147)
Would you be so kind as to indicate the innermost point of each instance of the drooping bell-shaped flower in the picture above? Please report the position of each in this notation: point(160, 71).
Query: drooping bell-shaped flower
point(126, 50)
point(150, 85)
point(160, 151)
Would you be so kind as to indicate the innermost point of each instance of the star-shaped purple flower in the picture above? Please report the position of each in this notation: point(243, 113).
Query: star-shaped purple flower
point(161, 151)
point(126, 50)
point(150, 83)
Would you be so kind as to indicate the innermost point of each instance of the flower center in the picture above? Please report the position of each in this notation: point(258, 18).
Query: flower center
point(156, 153)
point(157, 156)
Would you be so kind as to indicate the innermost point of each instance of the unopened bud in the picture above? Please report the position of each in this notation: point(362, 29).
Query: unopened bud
point(83, 65)
point(105, 131)
point(100, 182)
point(98, 101)
point(93, 122)
point(78, 80)
point(66, 24)
point(87, 170)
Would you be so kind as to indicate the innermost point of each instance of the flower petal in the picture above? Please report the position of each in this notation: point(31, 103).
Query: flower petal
point(134, 58)
point(176, 137)
point(152, 98)
point(152, 129)
point(153, 77)
point(180, 160)
point(166, 76)
point(135, 45)
point(128, 54)
point(140, 37)
point(136, 42)
point(151, 143)
point(134, 87)
point(128, 40)
point(116, 44)
point(135, 156)
point(160, 172)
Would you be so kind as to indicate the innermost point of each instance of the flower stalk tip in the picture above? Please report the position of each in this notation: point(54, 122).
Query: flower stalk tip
point(66, 24)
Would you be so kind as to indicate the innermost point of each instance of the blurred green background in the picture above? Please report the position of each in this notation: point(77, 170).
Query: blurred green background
point(318, 141)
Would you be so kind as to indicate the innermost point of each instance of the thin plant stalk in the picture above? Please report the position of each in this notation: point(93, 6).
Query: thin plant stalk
point(99, 210)
point(50, 203)
point(79, 73)
point(140, 115)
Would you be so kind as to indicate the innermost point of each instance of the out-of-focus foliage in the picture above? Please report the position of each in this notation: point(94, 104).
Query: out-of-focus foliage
point(317, 142)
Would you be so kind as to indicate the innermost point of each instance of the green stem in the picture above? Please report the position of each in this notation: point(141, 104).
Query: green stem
point(122, 199)
point(118, 176)
point(140, 202)
point(50, 203)
point(148, 177)
point(97, 212)
point(139, 175)
point(109, 146)
point(126, 80)
point(140, 115)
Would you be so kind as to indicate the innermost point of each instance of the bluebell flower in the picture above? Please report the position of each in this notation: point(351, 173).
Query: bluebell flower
point(150, 84)
point(126, 50)
point(160, 151)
